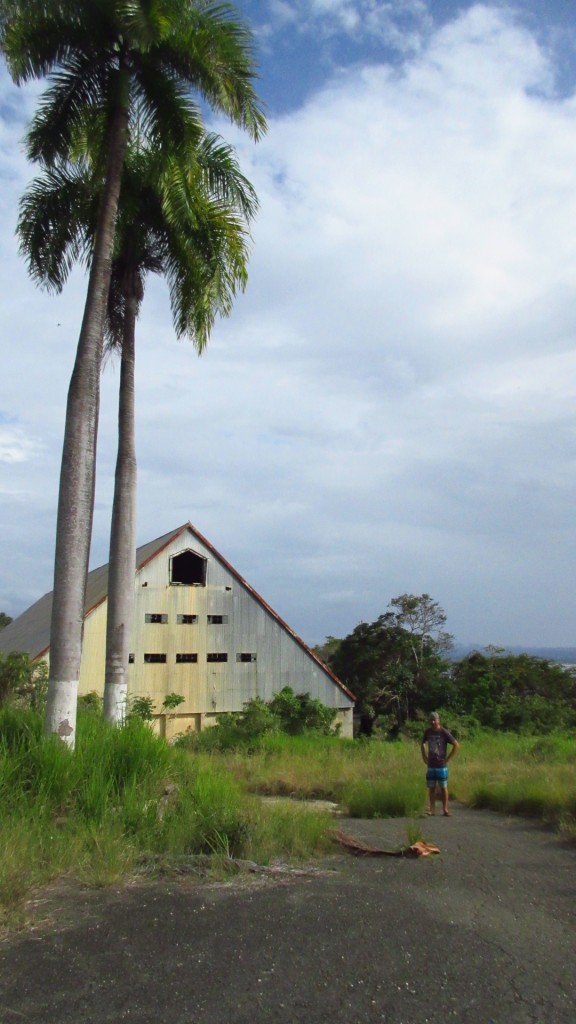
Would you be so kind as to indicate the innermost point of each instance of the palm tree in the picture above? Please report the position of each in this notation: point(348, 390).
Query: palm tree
point(118, 64)
point(192, 228)
point(187, 223)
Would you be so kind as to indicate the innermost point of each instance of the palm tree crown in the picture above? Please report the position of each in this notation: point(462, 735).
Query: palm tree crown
point(146, 56)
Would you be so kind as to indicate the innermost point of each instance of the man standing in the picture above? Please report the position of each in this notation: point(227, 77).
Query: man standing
point(436, 738)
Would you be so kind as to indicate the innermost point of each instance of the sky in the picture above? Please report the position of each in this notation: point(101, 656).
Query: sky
point(390, 408)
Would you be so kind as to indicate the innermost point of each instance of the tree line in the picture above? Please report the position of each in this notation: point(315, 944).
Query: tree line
point(399, 669)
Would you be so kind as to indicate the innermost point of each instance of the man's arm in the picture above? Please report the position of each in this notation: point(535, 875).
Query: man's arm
point(423, 750)
point(455, 749)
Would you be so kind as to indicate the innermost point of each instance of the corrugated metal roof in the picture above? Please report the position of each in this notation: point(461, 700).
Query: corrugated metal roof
point(30, 632)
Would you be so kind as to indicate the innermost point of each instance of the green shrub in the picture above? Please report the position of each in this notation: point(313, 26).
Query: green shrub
point(90, 702)
point(300, 713)
point(23, 682)
point(289, 713)
point(141, 707)
point(172, 701)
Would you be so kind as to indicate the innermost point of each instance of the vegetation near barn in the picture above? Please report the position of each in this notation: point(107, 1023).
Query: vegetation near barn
point(399, 669)
point(125, 802)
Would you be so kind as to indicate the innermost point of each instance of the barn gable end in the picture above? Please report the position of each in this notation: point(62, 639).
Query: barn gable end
point(200, 630)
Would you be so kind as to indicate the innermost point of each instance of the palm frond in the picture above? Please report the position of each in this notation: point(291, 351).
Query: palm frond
point(185, 206)
point(77, 91)
point(37, 37)
point(126, 280)
point(223, 176)
point(213, 51)
point(55, 225)
point(168, 115)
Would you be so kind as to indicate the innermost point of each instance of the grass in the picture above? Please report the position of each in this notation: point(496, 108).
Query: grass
point(125, 802)
point(530, 776)
point(383, 798)
point(320, 767)
point(525, 775)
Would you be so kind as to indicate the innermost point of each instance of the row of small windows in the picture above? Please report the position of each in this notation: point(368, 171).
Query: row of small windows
point(185, 620)
point(192, 658)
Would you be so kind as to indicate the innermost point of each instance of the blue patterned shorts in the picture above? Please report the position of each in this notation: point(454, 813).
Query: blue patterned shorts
point(437, 777)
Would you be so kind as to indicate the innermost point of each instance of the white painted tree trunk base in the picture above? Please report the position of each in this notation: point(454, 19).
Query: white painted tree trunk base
point(61, 710)
point(115, 702)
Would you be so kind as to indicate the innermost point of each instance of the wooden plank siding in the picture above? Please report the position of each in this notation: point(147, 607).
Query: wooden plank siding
point(209, 687)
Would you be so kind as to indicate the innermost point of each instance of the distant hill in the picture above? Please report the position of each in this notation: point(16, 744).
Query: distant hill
point(562, 655)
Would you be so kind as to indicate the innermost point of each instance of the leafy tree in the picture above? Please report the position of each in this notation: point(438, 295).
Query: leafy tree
point(394, 665)
point(370, 661)
point(172, 701)
point(142, 708)
point(118, 65)
point(328, 650)
point(423, 621)
point(5, 620)
point(256, 720)
point(514, 692)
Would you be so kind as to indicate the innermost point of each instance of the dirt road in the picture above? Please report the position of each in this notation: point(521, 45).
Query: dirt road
point(485, 933)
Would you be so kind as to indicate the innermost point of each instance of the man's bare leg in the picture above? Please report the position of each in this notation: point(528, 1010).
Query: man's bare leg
point(445, 810)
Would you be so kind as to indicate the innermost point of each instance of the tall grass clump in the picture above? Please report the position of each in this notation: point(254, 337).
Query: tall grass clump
point(126, 801)
point(532, 776)
point(306, 767)
point(382, 778)
point(288, 831)
point(122, 801)
point(384, 798)
point(114, 764)
point(209, 814)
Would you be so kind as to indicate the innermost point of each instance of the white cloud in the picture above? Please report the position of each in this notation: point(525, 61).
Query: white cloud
point(15, 446)
point(401, 25)
point(390, 406)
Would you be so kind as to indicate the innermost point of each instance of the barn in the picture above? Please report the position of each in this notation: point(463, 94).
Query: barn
point(200, 630)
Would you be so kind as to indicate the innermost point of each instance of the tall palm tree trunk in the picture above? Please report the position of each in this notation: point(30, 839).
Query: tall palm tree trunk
point(122, 563)
point(77, 478)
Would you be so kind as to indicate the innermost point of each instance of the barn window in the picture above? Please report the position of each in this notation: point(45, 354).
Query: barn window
point(189, 569)
point(155, 617)
point(245, 656)
point(130, 659)
point(186, 659)
point(186, 620)
point(155, 659)
point(217, 656)
point(217, 620)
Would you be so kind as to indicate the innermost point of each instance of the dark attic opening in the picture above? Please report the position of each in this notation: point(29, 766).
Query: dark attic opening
point(189, 569)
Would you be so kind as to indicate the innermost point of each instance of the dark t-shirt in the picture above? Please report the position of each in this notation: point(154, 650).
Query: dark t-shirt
point(437, 740)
